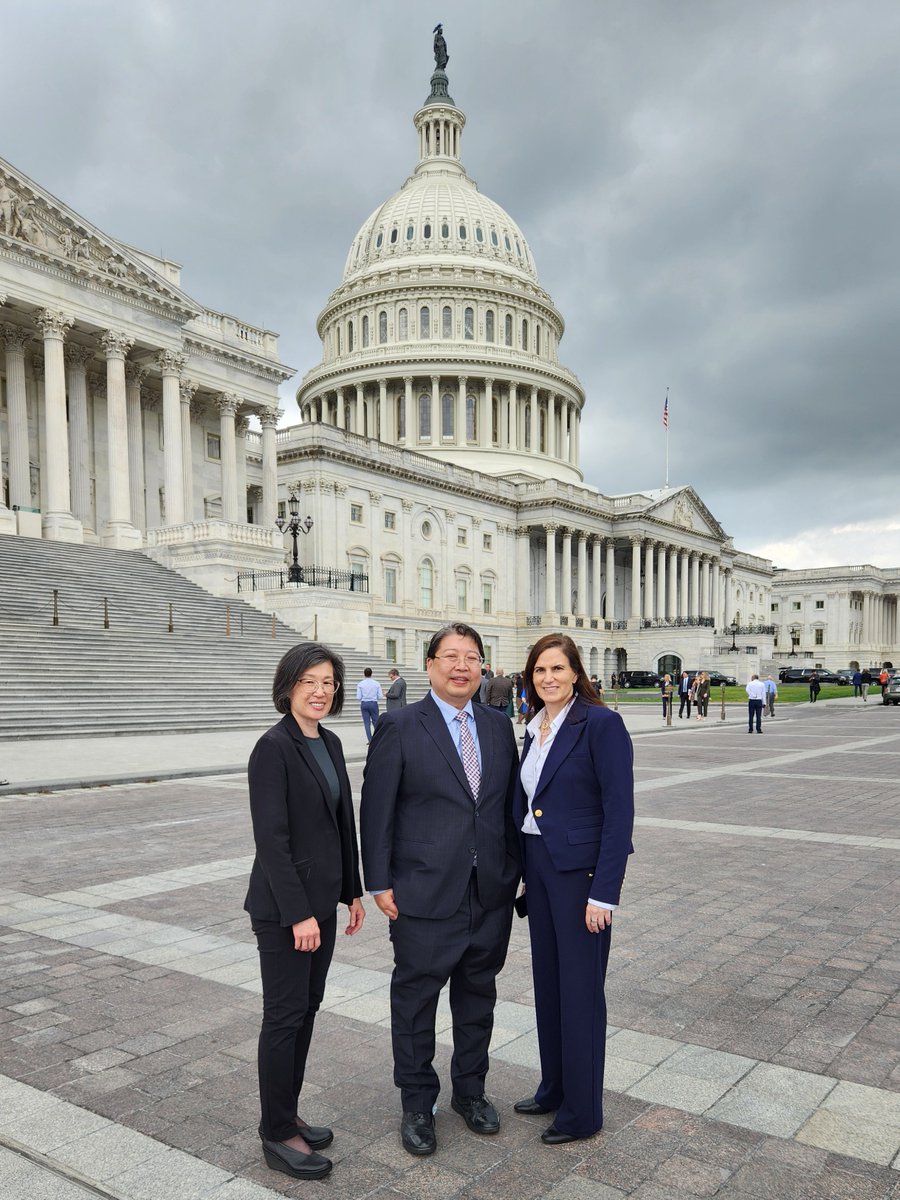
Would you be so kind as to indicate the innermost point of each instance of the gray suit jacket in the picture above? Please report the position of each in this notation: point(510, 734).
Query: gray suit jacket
point(420, 825)
point(396, 694)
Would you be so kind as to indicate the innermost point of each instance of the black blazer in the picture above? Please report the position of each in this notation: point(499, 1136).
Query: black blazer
point(306, 851)
point(419, 823)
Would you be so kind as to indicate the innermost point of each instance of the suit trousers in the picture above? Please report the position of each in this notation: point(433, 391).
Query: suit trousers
point(468, 949)
point(685, 703)
point(293, 986)
point(754, 713)
point(569, 969)
point(369, 712)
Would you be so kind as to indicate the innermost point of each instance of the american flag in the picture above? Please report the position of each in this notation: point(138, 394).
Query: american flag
point(666, 412)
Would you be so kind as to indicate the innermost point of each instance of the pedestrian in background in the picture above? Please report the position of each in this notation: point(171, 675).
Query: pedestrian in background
point(771, 695)
point(756, 694)
point(814, 687)
point(368, 693)
point(856, 680)
point(884, 679)
point(396, 693)
point(701, 695)
point(665, 691)
point(499, 691)
point(684, 692)
point(865, 682)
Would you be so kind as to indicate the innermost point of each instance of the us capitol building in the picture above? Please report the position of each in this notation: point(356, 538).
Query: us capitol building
point(437, 454)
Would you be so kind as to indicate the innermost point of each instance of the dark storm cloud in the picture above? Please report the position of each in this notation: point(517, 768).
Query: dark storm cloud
point(709, 188)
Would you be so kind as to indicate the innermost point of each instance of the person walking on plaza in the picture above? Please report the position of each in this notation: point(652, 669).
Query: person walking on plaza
point(574, 807)
point(486, 676)
point(499, 691)
point(814, 687)
point(396, 693)
point(665, 686)
point(856, 680)
point(684, 692)
point(865, 682)
point(771, 694)
point(701, 695)
point(756, 694)
point(368, 693)
point(306, 863)
point(884, 679)
point(441, 857)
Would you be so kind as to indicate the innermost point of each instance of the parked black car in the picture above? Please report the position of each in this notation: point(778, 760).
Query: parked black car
point(802, 674)
point(717, 678)
point(638, 679)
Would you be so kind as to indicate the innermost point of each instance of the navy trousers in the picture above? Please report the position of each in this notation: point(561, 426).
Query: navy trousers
point(569, 969)
point(369, 712)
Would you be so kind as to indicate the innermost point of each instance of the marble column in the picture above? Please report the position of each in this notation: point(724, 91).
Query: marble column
point(565, 600)
point(695, 586)
point(534, 431)
point(119, 532)
point(727, 605)
point(705, 606)
point(408, 435)
point(575, 446)
point(485, 429)
point(77, 359)
point(186, 390)
point(611, 580)
point(550, 607)
point(359, 414)
point(437, 417)
point(134, 377)
point(382, 411)
point(649, 590)
point(636, 578)
point(672, 602)
point(341, 414)
point(523, 571)
point(228, 406)
point(268, 419)
point(596, 578)
point(15, 339)
point(683, 608)
point(716, 595)
point(515, 438)
point(551, 425)
point(57, 522)
point(462, 384)
point(241, 428)
point(171, 364)
point(581, 582)
point(661, 583)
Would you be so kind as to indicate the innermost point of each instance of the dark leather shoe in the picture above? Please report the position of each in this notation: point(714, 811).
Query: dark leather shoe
point(531, 1108)
point(555, 1137)
point(417, 1133)
point(317, 1137)
point(477, 1112)
point(280, 1157)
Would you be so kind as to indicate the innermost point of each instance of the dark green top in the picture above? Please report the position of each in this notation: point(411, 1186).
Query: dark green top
point(326, 766)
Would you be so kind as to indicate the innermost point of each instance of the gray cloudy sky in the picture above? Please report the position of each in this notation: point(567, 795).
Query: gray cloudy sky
point(709, 187)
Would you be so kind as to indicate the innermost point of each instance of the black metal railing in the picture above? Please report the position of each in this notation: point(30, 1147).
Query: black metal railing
point(677, 622)
point(532, 620)
point(323, 577)
point(749, 629)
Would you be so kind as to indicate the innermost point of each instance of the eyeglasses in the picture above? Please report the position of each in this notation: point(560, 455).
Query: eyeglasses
point(453, 660)
point(313, 685)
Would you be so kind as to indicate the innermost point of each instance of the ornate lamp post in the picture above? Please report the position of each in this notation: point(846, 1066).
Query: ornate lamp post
point(795, 642)
point(734, 646)
point(294, 526)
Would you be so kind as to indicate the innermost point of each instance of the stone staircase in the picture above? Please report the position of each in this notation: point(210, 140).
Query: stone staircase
point(80, 679)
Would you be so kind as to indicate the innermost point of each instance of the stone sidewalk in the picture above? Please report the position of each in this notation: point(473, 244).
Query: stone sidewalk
point(753, 990)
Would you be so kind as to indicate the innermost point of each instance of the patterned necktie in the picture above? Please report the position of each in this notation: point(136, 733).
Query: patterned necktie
point(469, 754)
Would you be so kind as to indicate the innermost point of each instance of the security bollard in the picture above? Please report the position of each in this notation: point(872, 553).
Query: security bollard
point(723, 702)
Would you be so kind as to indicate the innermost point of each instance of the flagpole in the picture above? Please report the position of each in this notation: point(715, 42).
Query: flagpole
point(666, 411)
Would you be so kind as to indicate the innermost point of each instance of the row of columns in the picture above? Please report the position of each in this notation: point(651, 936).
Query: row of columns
point(677, 583)
point(879, 619)
point(359, 409)
point(65, 456)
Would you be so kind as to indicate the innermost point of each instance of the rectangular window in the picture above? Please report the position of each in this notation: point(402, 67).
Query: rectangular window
point(820, 637)
point(390, 649)
point(487, 541)
point(356, 515)
point(774, 608)
point(487, 597)
point(795, 605)
point(390, 585)
point(390, 520)
point(462, 537)
point(213, 447)
point(282, 510)
point(820, 604)
point(462, 595)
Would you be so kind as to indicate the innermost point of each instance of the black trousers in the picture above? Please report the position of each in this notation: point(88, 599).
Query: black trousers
point(685, 701)
point(754, 712)
point(293, 986)
point(468, 949)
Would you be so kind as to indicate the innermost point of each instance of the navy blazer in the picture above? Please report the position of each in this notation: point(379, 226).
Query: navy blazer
point(584, 803)
point(419, 823)
point(307, 858)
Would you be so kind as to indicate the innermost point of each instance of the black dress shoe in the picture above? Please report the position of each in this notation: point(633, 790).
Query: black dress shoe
point(555, 1137)
point(417, 1133)
point(317, 1137)
point(280, 1157)
point(531, 1108)
point(477, 1112)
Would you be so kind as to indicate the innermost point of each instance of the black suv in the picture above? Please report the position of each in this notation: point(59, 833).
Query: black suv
point(638, 679)
point(802, 674)
point(717, 678)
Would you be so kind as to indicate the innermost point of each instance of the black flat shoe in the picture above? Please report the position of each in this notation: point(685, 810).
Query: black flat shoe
point(417, 1133)
point(477, 1112)
point(317, 1137)
point(555, 1137)
point(280, 1157)
point(531, 1108)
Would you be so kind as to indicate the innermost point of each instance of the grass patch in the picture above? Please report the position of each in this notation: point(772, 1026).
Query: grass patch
point(788, 693)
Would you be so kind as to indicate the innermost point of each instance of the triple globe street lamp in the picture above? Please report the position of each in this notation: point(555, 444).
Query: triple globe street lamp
point(294, 527)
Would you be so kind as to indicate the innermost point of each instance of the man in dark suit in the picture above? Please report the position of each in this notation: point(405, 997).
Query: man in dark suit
point(441, 857)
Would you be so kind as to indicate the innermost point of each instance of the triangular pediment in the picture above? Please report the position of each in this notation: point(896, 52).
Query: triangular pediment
point(683, 508)
point(35, 223)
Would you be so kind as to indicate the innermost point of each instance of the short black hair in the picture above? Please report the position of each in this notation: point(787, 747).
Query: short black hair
point(367, 671)
point(446, 631)
point(292, 667)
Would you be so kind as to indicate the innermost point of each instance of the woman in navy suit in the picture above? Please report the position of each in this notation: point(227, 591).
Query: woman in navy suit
point(306, 862)
point(575, 809)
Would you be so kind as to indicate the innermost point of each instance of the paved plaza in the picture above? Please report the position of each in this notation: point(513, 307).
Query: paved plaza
point(753, 987)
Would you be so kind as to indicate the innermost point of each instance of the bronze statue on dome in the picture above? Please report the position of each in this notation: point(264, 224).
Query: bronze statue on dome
point(441, 57)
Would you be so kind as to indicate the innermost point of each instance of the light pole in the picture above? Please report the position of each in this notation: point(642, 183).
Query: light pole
point(795, 642)
point(294, 526)
point(734, 646)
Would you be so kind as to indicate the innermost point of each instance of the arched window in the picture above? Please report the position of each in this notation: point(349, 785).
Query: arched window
point(446, 415)
point(489, 325)
point(524, 335)
point(401, 417)
point(424, 322)
point(537, 339)
point(426, 583)
point(403, 322)
point(506, 242)
point(349, 337)
point(471, 419)
point(495, 421)
point(446, 321)
point(445, 229)
point(410, 231)
point(365, 332)
point(426, 232)
point(338, 339)
point(479, 234)
point(382, 326)
point(425, 418)
point(507, 330)
point(463, 234)
point(542, 436)
point(495, 241)
point(527, 419)
point(469, 324)
point(394, 236)
point(379, 241)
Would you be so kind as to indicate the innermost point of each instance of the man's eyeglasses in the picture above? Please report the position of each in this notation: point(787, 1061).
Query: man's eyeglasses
point(452, 659)
point(313, 685)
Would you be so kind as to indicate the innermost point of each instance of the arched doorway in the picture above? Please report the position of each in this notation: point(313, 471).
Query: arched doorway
point(669, 664)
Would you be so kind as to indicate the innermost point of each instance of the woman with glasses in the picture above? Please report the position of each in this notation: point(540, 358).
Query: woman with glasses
point(306, 863)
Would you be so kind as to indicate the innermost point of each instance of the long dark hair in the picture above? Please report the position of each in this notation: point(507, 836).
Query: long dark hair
point(298, 660)
point(558, 641)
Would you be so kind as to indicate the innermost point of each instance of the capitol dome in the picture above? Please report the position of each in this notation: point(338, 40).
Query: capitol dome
point(440, 338)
